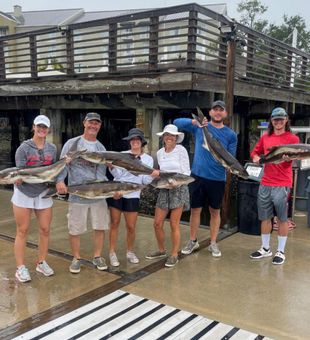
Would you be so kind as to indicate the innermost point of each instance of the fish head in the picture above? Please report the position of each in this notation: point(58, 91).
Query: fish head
point(8, 176)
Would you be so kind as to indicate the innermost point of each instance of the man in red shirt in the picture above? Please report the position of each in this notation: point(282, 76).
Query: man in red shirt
point(275, 185)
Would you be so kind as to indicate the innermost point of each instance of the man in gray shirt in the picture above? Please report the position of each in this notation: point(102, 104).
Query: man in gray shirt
point(81, 171)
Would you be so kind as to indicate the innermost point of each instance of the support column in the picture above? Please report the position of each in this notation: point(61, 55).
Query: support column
point(57, 127)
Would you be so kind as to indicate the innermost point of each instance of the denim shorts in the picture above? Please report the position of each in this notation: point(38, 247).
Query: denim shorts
point(270, 200)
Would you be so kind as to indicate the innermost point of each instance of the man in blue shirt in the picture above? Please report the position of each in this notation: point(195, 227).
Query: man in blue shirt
point(209, 174)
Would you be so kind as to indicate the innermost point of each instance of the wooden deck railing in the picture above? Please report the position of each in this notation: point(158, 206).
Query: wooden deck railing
point(185, 37)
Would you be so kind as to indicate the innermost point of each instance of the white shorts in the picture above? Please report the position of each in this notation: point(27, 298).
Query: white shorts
point(21, 200)
point(78, 213)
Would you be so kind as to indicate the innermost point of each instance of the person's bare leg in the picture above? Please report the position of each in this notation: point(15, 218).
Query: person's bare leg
point(22, 219)
point(159, 218)
point(175, 217)
point(194, 222)
point(44, 217)
point(115, 215)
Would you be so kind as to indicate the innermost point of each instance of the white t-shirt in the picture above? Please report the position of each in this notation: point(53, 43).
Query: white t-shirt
point(175, 161)
point(124, 175)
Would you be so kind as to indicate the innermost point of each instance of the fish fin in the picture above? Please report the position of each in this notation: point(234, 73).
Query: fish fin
point(197, 119)
point(272, 148)
point(206, 146)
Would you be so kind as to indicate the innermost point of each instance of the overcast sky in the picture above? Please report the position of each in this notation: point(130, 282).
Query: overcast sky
point(276, 8)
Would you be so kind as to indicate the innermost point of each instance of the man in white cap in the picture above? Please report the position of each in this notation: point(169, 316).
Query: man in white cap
point(81, 171)
point(209, 174)
point(275, 185)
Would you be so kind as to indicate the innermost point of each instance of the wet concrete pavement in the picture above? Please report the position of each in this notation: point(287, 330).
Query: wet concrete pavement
point(253, 295)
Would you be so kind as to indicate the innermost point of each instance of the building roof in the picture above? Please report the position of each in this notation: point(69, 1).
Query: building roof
point(76, 15)
point(50, 17)
point(7, 16)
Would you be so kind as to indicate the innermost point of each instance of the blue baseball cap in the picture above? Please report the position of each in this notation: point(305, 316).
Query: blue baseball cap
point(278, 113)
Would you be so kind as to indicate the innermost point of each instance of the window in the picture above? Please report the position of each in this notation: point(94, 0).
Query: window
point(3, 31)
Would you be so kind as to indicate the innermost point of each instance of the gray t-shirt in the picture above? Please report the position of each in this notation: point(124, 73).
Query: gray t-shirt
point(81, 171)
point(28, 155)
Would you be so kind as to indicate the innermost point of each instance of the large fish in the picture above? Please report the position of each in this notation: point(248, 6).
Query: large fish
point(99, 190)
point(225, 158)
point(37, 174)
point(290, 151)
point(171, 180)
point(119, 159)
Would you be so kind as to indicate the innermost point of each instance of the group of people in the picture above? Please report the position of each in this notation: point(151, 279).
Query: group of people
point(208, 188)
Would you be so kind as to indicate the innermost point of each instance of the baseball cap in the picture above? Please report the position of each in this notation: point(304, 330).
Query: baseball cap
point(219, 103)
point(278, 112)
point(42, 119)
point(93, 116)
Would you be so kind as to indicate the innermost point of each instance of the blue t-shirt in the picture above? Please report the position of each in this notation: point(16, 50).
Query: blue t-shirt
point(204, 164)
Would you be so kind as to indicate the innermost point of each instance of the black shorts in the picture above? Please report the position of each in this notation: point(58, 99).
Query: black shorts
point(124, 204)
point(203, 190)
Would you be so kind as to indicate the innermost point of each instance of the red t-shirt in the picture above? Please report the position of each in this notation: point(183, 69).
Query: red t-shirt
point(276, 175)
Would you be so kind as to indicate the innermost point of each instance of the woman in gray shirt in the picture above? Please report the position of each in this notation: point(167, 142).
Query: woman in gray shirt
point(28, 197)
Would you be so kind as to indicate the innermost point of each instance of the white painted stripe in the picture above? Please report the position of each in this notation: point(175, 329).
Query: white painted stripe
point(244, 335)
point(186, 332)
point(218, 331)
point(94, 318)
point(115, 324)
point(166, 326)
point(69, 316)
point(144, 323)
point(197, 327)
point(179, 334)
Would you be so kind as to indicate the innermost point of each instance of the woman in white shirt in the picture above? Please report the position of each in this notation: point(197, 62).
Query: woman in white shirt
point(129, 203)
point(171, 158)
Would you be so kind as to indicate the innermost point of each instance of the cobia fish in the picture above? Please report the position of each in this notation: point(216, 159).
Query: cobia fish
point(37, 174)
point(99, 190)
point(225, 158)
point(290, 151)
point(171, 180)
point(119, 159)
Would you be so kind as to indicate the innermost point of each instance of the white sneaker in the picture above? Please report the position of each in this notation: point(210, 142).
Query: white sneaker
point(113, 260)
point(132, 258)
point(44, 269)
point(22, 274)
point(214, 249)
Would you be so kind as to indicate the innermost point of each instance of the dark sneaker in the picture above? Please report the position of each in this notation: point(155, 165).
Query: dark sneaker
point(214, 250)
point(44, 269)
point(22, 274)
point(190, 247)
point(278, 258)
point(75, 266)
point(155, 255)
point(260, 253)
point(99, 263)
point(171, 261)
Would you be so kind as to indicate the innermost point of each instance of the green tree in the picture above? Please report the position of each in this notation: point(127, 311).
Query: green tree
point(251, 10)
point(284, 32)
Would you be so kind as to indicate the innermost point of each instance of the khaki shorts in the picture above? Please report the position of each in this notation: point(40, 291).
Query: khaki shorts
point(78, 213)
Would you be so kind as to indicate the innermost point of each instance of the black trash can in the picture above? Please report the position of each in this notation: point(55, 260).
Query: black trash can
point(248, 222)
point(307, 189)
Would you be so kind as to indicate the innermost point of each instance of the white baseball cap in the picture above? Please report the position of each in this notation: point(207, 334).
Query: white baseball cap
point(172, 130)
point(42, 119)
